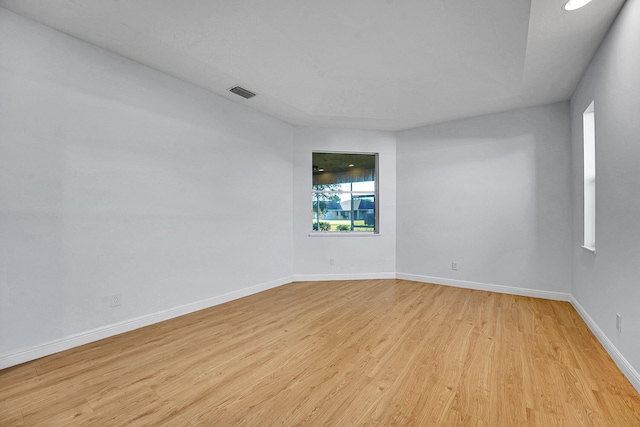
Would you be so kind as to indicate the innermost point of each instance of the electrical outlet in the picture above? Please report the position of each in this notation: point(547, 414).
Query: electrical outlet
point(115, 300)
point(454, 265)
point(619, 322)
point(332, 261)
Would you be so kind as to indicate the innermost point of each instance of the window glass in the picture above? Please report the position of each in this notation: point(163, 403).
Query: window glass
point(589, 140)
point(344, 192)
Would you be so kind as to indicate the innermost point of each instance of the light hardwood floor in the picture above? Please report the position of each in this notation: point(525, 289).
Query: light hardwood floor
point(375, 352)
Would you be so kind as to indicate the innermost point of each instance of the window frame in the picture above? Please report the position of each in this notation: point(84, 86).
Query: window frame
point(589, 178)
point(352, 193)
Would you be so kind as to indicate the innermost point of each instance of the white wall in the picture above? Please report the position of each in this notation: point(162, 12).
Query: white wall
point(608, 282)
point(115, 178)
point(491, 193)
point(355, 256)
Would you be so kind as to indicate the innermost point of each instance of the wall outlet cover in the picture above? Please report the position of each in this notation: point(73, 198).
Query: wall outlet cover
point(115, 300)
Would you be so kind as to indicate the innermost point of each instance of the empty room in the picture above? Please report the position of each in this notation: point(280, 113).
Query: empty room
point(337, 213)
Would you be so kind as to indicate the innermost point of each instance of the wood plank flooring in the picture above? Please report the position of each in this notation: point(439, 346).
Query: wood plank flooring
point(375, 352)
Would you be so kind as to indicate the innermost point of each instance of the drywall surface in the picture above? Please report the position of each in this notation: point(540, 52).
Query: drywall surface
point(608, 282)
point(354, 257)
point(118, 179)
point(491, 194)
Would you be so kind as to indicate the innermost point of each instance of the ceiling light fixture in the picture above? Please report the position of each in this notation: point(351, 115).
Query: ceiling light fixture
point(351, 166)
point(575, 4)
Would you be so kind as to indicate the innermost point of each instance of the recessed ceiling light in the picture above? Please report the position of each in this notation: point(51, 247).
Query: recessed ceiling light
point(351, 166)
point(575, 4)
point(320, 170)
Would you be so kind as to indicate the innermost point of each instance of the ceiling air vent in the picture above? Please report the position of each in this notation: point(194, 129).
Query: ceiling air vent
point(242, 92)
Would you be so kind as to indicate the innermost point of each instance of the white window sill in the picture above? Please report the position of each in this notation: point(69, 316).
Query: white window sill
point(344, 234)
point(590, 249)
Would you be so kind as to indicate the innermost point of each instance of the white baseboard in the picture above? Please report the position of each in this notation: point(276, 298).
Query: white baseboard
point(632, 375)
point(345, 276)
point(526, 292)
point(36, 352)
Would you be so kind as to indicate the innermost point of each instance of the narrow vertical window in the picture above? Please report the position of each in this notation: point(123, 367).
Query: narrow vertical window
point(589, 136)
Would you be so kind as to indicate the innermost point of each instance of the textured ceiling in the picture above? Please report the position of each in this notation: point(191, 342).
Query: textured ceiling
point(369, 64)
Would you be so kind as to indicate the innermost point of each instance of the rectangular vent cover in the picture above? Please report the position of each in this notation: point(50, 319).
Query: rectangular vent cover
point(242, 92)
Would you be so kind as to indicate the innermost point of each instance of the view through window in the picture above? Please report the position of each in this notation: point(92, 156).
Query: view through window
point(345, 192)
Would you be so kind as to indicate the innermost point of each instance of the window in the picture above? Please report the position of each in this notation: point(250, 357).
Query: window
point(589, 137)
point(345, 192)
